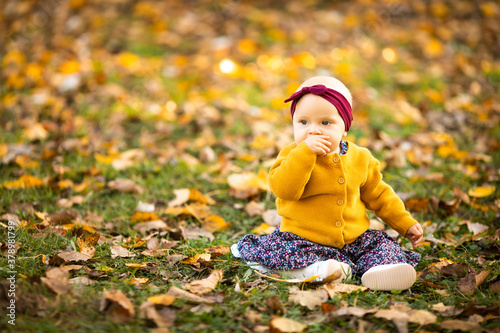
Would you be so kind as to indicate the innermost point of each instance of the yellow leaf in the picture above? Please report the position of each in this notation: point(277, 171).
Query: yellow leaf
point(25, 181)
point(433, 48)
point(214, 223)
point(128, 59)
point(34, 71)
point(144, 217)
point(15, 57)
point(70, 67)
point(480, 192)
point(264, 228)
point(4, 148)
point(66, 183)
point(163, 299)
point(86, 243)
point(35, 132)
point(25, 162)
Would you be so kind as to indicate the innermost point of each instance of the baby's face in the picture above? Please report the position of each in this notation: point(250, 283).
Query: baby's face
point(316, 116)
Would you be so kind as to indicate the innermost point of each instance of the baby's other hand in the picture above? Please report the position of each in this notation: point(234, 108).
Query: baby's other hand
point(415, 234)
point(318, 144)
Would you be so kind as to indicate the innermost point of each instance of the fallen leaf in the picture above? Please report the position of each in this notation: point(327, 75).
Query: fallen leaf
point(163, 299)
point(184, 195)
point(185, 295)
point(68, 256)
point(86, 243)
point(81, 280)
point(163, 317)
point(57, 281)
point(205, 285)
point(214, 223)
point(117, 306)
point(285, 325)
point(459, 325)
point(334, 288)
point(25, 181)
point(422, 317)
point(307, 298)
point(467, 284)
point(254, 208)
point(120, 251)
point(447, 310)
point(247, 184)
point(195, 233)
point(125, 185)
point(145, 227)
point(476, 228)
point(481, 192)
point(400, 319)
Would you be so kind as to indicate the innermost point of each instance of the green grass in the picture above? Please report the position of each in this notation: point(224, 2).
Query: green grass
point(116, 123)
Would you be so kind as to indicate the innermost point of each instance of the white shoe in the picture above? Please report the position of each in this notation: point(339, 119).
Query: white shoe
point(389, 277)
point(326, 271)
point(234, 251)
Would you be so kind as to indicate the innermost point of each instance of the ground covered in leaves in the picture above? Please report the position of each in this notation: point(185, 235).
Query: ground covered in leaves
point(136, 137)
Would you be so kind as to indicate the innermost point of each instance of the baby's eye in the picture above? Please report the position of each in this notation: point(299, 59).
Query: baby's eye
point(326, 122)
point(303, 122)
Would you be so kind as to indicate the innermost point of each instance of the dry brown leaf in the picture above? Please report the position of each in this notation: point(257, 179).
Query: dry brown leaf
point(467, 284)
point(254, 208)
point(400, 319)
point(125, 185)
point(81, 280)
point(182, 294)
point(447, 310)
point(285, 325)
point(68, 256)
point(144, 227)
point(163, 317)
point(120, 251)
point(307, 298)
point(422, 317)
point(57, 281)
point(195, 233)
point(205, 285)
point(459, 325)
point(117, 306)
point(271, 217)
point(334, 288)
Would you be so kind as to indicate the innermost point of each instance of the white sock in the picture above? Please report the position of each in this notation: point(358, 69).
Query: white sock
point(326, 271)
point(389, 277)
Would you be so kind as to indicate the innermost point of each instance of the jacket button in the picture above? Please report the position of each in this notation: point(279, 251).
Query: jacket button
point(341, 180)
point(340, 202)
point(338, 224)
point(336, 159)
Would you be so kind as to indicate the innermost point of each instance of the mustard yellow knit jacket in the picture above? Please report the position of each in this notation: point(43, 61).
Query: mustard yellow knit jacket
point(324, 198)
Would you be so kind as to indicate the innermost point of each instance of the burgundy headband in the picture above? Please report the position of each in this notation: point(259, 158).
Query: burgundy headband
point(332, 96)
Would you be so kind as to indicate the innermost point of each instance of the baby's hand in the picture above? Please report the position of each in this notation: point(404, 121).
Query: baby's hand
point(415, 234)
point(318, 144)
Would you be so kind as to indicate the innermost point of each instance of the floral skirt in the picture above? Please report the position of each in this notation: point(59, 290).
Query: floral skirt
point(285, 251)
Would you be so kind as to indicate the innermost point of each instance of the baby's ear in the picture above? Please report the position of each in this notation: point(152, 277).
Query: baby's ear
point(345, 134)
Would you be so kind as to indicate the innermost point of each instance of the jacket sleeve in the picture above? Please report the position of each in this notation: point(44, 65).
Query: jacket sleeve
point(379, 197)
point(290, 173)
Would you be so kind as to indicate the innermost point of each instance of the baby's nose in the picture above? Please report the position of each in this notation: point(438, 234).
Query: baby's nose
point(314, 130)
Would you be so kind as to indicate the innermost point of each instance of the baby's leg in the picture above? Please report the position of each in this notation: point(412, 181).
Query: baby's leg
point(384, 265)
